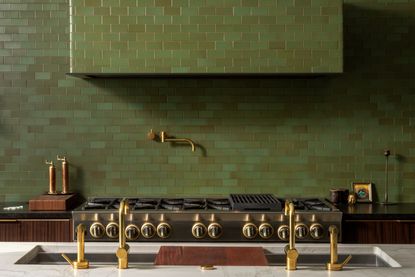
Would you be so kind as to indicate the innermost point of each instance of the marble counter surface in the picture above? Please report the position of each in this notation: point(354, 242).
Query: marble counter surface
point(10, 252)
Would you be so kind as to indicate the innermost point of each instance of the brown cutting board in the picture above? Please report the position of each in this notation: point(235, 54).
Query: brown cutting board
point(192, 255)
point(58, 202)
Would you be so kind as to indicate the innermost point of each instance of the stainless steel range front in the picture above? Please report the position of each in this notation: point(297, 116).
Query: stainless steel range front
point(237, 218)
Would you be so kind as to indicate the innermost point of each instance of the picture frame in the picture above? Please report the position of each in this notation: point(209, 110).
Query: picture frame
point(363, 192)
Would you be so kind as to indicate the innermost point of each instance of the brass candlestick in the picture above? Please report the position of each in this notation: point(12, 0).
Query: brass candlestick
point(386, 153)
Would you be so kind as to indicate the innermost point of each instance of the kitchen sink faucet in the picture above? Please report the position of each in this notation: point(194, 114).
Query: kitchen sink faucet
point(290, 251)
point(122, 251)
point(81, 262)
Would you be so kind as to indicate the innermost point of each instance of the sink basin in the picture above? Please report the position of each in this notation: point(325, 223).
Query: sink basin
point(358, 260)
point(46, 258)
point(310, 256)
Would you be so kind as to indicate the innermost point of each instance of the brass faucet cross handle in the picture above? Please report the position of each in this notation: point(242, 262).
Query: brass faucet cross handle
point(333, 264)
point(81, 262)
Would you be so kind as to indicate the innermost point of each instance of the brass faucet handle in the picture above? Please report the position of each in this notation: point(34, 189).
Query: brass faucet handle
point(151, 135)
point(337, 267)
point(76, 264)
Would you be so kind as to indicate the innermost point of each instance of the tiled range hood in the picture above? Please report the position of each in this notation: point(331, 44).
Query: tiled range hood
point(111, 38)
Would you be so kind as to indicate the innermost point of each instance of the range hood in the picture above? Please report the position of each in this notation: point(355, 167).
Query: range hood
point(170, 38)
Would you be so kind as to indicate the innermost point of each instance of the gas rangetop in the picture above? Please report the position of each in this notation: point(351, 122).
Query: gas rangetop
point(237, 218)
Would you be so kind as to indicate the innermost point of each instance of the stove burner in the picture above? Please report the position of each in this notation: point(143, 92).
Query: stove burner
point(317, 205)
point(146, 204)
point(171, 204)
point(220, 204)
point(98, 204)
point(194, 204)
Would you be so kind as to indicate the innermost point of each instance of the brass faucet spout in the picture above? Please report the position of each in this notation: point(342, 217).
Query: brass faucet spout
point(122, 251)
point(164, 138)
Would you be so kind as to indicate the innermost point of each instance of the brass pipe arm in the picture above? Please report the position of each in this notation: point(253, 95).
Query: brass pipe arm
point(164, 138)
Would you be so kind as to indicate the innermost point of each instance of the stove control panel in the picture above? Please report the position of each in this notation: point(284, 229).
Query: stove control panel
point(208, 227)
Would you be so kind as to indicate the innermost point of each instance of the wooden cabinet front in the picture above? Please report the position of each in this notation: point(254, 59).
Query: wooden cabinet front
point(58, 230)
point(379, 231)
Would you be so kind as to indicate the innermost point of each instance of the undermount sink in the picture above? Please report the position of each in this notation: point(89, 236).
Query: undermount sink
point(105, 255)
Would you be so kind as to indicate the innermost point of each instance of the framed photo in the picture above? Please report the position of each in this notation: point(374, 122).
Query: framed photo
point(363, 192)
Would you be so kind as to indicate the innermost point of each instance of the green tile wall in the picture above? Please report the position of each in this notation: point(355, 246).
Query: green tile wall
point(290, 136)
point(206, 36)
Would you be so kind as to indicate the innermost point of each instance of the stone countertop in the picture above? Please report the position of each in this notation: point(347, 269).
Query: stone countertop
point(25, 213)
point(11, 252)
point(362, 211)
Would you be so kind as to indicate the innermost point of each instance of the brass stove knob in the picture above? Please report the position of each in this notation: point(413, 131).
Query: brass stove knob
point(214, 230)
point(163, 230)
point(97, 230)
point(132, 232)
point(112, 230)
point(283, 232)
point(249, 231)
point(148, 230)
point(199, 230)
point(301, 231)
point(316, 231)
point(266, 230)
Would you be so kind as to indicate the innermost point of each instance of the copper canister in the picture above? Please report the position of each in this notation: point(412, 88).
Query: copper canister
point(52, 177)
point(65, 175)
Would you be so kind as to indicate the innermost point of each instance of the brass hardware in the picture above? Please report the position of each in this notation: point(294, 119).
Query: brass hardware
point(214, 230)
point(97, 230)
point(112, 230)
point(151, 135)
point(207, 267)
point(301, 230)
point(281, 232)
point(164, 138)
point(199, 230)
point(81, 262)
point(133, 228)
point(290, 250)
point(122, 251)
point(333, 264)
point(52, 177)
point(8, 220)
point(263, 230)
point(351, 199)
point(65, 174)
point(249, 230)
point(316, 231)
point(164, 230)
point(148, 230)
